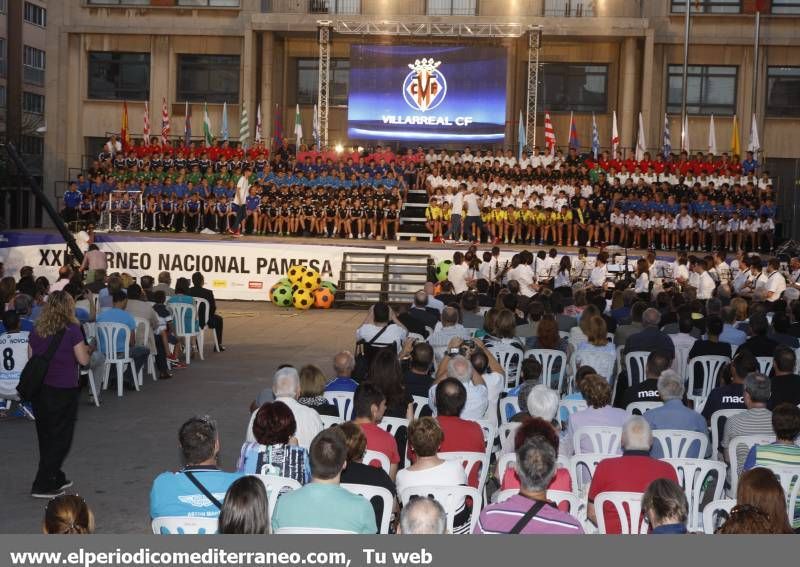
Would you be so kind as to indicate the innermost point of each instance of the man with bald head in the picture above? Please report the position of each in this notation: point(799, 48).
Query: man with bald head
point(422, 516)
point(419, 310)
point(343, 365)
point(448, 328)
point(650, 338)
point(455, 365)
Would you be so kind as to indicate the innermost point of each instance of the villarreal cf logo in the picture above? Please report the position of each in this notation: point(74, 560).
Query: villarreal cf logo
point(425, 87)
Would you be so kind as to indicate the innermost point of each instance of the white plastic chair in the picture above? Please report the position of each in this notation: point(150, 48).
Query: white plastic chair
point(747, 442)
point(678, 443)
point(419, 403)
point(571, 407)
point(510, 358)
point(581, 470)
point(789, 476)
point(370, 492)
point(179, 315)
point(201, 336)
point(503, 495)
point(548, 359)
point(184, 525)
point(628, 506)
point(692, 476)
point(604, 440)
point(509, 407)
point(636, 360)
point(563, 334)
point(394, 425)
point(642, 407)
point(312, 531)
point(507, 432)
point(489, 431)
point(714, 509)
point(576, 506)
point(143, 329)
point(716, 436)
point(704, 369)
point(343, 402)
point(372, 456)
point(505, 460)
point(275, 487)
point(109, 334)
point(330, 420)
point(764, 364)
point(451, 498)
point(468, 461)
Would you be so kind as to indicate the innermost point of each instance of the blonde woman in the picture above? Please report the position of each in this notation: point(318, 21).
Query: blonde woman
point(312, 390)
point(55, 405)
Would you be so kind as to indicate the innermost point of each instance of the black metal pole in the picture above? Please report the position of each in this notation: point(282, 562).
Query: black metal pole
point(69, 238)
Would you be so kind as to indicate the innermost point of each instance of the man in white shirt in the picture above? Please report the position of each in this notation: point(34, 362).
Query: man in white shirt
point(776, 283)
point(239, 201)
point(455, 365)
point(705, 283)
point(599, 274)
point(473, 218)
point(382, 319)
point(454, 232)
point(458, 274)
point(525, 276)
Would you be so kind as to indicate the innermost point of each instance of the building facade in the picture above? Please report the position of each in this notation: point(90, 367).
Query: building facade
point(597, 56)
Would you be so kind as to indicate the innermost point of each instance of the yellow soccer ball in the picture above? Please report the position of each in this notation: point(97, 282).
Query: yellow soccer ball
point(296, 273)
point(303, 299)
point(311, 280)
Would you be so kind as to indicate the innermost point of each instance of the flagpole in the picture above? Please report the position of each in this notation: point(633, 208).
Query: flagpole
point(686, 28)
point(755, 60)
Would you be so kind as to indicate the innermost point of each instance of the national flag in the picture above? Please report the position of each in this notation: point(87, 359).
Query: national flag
point(712, 137)
point(685, 145)
point(520, 136)
point(258, 124)
point(244, 127)
point(278, 132)
point(315, 127)
point(146, 124)
point(573, 133)
point(187, 125)
point(753, 145)
point(549, 135)
point(298, 127)
point(164, 122)
point(123, 131)
point(736, 146)
point(207, 136)
point(641, 145)
point(595, 138)
point(667, 149)
point(223, 133)
point(614, 135)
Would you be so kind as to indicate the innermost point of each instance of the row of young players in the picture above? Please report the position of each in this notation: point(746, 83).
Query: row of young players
point(636, 229)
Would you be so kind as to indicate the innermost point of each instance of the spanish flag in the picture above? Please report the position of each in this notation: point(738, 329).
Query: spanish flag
point(123, 133)
point(735, 145)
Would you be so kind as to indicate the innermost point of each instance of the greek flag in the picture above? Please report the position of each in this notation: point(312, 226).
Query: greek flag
point(667, 139)
point(595, 138)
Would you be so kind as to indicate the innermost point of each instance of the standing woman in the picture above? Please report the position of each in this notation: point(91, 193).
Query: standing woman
point(56, 403)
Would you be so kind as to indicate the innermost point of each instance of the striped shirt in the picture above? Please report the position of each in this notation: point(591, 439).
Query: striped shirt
point(777, 455)
point(755, 421)
point(501, 518)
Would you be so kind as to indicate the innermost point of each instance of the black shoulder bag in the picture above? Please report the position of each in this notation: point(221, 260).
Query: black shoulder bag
point(364, 355)
point(203, 489)
point(523, 521)
point(32, 376)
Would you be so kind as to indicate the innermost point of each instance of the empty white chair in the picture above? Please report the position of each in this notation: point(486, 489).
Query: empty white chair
point(702, 373)
point(635, 363)
point(509, 407)
point(581, 470)
point(110, 335)
point(679, 444)
point(275, 487)
point(469, 461)
point(640, 408)
point(343, 402)
point(692, 476)
point(370, 457)
point(716, 425)
point(715, 513)
point(764, 364)
point(184, 525)
point(507, 432)
point(789, 477)
point(741, 445)
point(312, 531)
point(181, 313)
point(510, 358)
point(419, 403)
point(451, 498)
point(604, 440)
point(370, 492)
point(549, 359)
point(145, 332)
point(628, 506)
point(201, 306)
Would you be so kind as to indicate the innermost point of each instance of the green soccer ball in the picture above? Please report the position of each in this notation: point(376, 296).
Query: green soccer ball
point(442, 269)
point(282, 296)
point(329, 285)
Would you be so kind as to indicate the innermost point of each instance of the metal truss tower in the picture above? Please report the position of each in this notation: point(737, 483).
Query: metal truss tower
point(532, 98)
point(323, 94)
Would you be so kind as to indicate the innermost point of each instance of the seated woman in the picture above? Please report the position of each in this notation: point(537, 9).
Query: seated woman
point(426, 437)
point(275, 451)
point(665, 506)
point(597, 350)
point(312, 387)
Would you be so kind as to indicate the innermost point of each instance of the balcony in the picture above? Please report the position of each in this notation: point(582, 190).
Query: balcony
point(166, 3)
point(569, 8)
point(33, 75)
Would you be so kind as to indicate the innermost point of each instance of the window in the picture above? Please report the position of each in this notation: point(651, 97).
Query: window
point(711, 89)
point(32, 145)
point(708, 6)
point(33, 65)
point(452, 8)
point(2, 57)
point(308, 81)
point(119, 76)
point(35, 15)
point(122, 2)
point(2, 96)
point(208, 78)
point(783, 91)
point(569, 8)
point(575, 87)
point(3, 6)
point(785, 7)
point(211, 3)
point(33, 103)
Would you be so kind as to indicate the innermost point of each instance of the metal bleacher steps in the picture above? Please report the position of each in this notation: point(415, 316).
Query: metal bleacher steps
point(389, 276)
point(412, 217)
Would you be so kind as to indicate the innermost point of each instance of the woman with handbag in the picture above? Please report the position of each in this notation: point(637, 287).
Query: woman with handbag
point(58, 343)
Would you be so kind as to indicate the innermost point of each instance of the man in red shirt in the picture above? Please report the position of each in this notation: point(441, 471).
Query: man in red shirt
point(632, 472)
point(460, 435)
point(369, 405)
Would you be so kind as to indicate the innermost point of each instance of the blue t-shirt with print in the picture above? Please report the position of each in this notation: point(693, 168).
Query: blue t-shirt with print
point(173, 494)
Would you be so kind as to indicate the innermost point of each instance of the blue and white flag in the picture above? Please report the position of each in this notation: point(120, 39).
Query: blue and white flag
point(595, 138)
point(667, 140)
point(223, 133)
point(521, 136)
